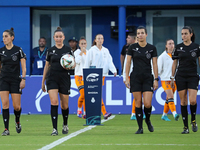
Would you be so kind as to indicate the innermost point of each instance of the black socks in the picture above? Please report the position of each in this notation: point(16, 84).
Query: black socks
point(193, 109)
point(139, 116)
point(65, 114)
point(184, 113)
point(17, 115)
point(6, 116)
point(54, 115)
point(147, 112)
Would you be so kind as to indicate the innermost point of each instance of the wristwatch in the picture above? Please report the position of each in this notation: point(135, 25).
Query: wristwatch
point(156, 79)
point(172, 77)
point(24, 78)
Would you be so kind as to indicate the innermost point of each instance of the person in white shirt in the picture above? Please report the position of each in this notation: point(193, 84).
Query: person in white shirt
point(164, 71)
point(100, 57)
point(80, 56)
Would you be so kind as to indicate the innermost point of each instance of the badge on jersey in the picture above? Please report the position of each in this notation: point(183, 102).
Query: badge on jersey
point(193, 54)
point(14, 57)
point(148, 55)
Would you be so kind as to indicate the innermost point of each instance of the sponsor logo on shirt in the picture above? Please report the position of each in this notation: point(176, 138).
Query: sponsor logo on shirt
point(181, 49)
point(3, 53)
point(53, 52)
point(136, 50)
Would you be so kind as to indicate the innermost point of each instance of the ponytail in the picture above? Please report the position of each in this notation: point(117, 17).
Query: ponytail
point(193, 38)
point(10, 31)
point(94, 42)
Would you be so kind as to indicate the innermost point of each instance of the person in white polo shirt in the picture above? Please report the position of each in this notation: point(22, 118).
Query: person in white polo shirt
point(99, 56)
point(164, 71)
point(80, 56)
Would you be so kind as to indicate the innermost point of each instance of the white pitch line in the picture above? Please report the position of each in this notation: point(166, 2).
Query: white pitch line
point(134, 144)
point(59, 141)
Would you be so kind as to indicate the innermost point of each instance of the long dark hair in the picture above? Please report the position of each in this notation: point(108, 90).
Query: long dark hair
point(191, 31)
point(94, 43)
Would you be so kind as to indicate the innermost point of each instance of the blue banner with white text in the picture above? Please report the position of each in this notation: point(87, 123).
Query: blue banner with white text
point(116, 97)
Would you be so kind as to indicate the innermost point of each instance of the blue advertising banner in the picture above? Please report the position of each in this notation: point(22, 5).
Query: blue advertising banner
point(93, 93)
point(116, 97)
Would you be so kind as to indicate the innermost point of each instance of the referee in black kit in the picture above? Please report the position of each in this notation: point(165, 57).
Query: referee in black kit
point(10, 80)
point(57, 80)
point(187, 78)
point(141, 78)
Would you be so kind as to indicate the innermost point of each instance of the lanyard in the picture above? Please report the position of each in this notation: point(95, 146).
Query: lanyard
point(40, 56)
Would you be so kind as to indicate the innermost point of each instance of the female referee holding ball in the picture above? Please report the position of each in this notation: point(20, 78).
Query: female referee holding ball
point(10, 80)
point(57, 80)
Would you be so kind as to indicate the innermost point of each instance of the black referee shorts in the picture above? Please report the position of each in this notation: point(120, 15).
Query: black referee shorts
point(187, 82)
point(10, 84)
point(141, 82)
point(60, 81)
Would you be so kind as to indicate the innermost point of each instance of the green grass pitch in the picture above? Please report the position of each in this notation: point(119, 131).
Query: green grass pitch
point(115, 134)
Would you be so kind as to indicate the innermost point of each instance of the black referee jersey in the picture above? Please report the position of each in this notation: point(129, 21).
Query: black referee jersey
point(125, 50)
point(187, 56)
point(10, 61)
point(53, 57)
point(142, 57)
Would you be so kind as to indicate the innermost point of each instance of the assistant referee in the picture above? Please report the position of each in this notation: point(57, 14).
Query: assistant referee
point(10, 81)
point(187, 78)
point(141, 79)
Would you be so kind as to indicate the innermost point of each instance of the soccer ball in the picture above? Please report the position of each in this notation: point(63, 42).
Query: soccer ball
point(67, 61)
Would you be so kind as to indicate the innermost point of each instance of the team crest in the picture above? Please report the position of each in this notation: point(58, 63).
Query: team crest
point(3, 52)
point(193, 54)
point(148, 55)
point(14, 58)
